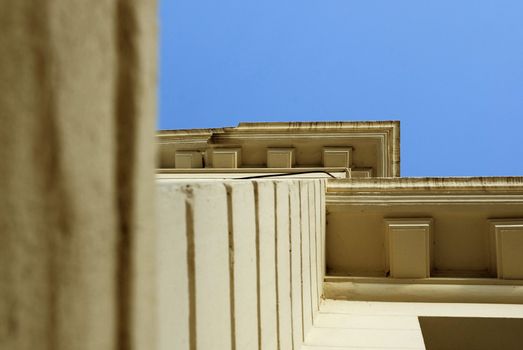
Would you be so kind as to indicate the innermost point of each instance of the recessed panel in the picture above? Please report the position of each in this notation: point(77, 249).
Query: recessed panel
point(280, 157)
point(408, 247)
point(226, 158)
point(337, 157)
point(506, 248)
point(511, 249)
point(361, 172)
point(188, 159)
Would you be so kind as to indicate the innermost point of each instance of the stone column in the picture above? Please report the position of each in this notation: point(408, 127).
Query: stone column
point(77, 120)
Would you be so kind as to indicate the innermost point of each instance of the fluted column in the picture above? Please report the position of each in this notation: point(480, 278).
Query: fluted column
point(77, 119)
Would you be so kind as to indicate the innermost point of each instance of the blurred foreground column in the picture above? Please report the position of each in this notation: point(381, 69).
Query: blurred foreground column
point(77, 110)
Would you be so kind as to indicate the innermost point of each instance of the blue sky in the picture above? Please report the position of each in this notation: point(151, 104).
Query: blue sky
point(450, 71)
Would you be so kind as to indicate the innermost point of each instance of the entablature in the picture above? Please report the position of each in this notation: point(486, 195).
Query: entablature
point(473, 226)
point(368, 148)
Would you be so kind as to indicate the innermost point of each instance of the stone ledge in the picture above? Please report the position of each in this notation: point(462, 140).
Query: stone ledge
point(426, 290)
point(427, 184)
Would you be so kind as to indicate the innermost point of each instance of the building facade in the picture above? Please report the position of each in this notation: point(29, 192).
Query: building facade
point(362, 234)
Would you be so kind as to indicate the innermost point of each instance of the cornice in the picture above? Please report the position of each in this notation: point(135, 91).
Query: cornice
point(427, 184)
point(322, 128)
point(385, 132)
point(317, 126)
point(425, 290)
point(461, 199)
point(428, 191)
point(428, 281)
point(188, 132)
point(186, 136)
point(336, 170)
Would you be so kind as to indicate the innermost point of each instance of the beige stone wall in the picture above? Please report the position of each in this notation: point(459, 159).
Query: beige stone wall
point(240, 263)
point(77, 116)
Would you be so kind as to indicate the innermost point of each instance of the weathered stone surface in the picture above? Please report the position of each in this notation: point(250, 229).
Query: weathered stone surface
point(242, 241)
point(77, 109)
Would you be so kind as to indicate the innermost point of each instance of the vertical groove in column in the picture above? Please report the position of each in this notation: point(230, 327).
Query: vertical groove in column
point(257, 220)
point(316, 261)
point(230, 217)
point(127, 120)
point(301, 265)
point(290, 265)
point(311, 267)
point(317, 226)
point(323, 228)
point(191, 268)
point(125, 113)
point(276, 264)
point(124, 272)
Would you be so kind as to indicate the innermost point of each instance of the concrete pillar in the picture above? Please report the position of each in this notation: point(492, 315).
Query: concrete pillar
point(77, 116)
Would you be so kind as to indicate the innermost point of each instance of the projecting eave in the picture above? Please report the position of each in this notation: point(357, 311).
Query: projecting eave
point(317, 126)
point(386, 191)
point(184, 136)
point(371, 148)
point(462, 230)
point(428, 184)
